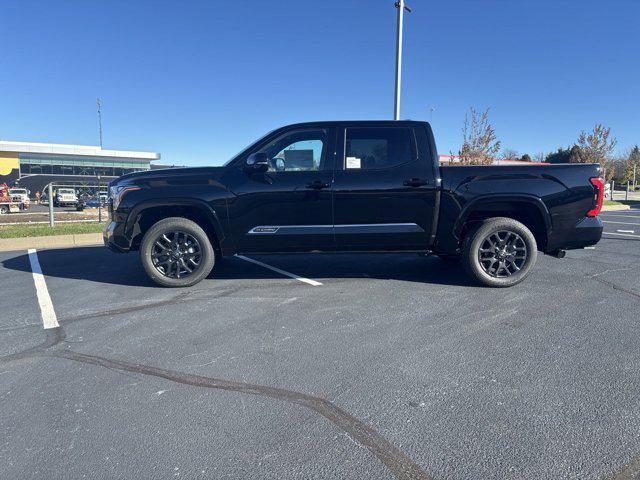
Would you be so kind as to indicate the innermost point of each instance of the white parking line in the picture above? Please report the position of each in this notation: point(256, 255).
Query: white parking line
point(621, 216)
point(283, 272)
point(621, 223)
point(621, 234)
point(626, 231)
point(49, 319)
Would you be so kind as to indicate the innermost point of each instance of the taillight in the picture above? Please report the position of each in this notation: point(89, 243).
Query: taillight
point(598, 195)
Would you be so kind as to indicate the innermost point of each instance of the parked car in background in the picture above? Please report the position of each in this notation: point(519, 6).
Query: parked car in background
point(65, 197)
point(363, 186)
point(103, 196)
point(93, 202)
point(22, 194)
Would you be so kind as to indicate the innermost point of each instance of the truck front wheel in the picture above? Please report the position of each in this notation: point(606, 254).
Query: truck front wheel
point(500, 252)
point(176, 252)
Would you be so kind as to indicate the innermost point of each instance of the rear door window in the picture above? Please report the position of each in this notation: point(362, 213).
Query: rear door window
point(378, 148)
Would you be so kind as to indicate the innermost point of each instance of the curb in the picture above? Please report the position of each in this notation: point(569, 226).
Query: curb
point(52, 241)
point(615, 208)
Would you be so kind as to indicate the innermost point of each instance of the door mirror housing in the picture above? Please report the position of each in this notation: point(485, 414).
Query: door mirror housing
point(257, 162)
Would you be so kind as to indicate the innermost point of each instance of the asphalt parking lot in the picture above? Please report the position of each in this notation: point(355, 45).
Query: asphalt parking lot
point(362, 366)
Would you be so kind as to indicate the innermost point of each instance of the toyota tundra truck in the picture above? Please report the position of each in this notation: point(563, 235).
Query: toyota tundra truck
point(361, 186)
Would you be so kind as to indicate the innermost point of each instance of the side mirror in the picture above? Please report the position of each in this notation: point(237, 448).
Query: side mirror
point(257, 162)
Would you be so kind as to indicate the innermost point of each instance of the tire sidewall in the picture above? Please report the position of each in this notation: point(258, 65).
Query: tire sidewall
point(185, 225)
point(476, 237)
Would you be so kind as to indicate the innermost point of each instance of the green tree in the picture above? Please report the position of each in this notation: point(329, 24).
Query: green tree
point(628, 165)
point(561, 156)
point(526, 157)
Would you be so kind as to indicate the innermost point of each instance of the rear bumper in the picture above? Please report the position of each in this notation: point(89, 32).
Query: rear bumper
point(114, 237)
point(585, 233)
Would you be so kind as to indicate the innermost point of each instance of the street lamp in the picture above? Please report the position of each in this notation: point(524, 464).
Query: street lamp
point(401, 6)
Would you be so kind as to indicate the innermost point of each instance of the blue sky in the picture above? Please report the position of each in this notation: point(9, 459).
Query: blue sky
point(197, 81)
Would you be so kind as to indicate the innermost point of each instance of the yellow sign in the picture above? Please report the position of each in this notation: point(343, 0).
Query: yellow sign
point(8, 162)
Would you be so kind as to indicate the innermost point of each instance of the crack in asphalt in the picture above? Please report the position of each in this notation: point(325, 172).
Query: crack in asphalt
point(615, 286)
point(53, 337)
point(176, 299)
point(191, 296)
point(398, 463)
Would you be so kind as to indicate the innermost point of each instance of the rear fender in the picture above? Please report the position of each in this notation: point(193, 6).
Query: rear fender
point(494, 201)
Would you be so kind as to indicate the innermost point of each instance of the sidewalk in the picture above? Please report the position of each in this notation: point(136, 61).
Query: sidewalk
point(53, 241)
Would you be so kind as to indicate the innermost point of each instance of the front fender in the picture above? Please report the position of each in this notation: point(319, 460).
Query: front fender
point(209, 212)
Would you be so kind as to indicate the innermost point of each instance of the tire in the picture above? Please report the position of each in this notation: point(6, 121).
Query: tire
point(4, 209)
point(500, 252)
point(176, 261)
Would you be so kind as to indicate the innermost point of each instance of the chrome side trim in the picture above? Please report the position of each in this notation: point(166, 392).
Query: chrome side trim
point(338, 229)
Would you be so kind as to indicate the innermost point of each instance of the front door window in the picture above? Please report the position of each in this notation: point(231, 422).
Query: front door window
point(299, 151)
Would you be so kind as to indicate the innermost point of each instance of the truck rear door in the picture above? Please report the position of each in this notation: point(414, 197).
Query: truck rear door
point(384, 191)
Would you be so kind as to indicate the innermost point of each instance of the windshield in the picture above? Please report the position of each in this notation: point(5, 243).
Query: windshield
point(18, 190)
point(247, 148)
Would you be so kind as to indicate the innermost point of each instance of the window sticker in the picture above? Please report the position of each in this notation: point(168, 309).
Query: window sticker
point(353, 162)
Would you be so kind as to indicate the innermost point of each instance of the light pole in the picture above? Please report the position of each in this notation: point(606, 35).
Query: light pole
point(99, 202)
point(431, 110)
point(50, 198)
point(400, 5)
point(99, 104)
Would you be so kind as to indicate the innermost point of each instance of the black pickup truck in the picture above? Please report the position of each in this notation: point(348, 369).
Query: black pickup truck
point(362, 186)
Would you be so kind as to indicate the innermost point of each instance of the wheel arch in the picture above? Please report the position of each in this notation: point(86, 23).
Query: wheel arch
point(143, 215)
point(527, 209)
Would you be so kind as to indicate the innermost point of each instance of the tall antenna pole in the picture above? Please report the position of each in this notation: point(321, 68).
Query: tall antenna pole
point(400, 5)
point(99, 103)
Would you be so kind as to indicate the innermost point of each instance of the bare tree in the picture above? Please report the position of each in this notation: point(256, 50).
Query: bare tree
point(596, 147)
point(539, 157)
point(480, 144)
point(509, 154)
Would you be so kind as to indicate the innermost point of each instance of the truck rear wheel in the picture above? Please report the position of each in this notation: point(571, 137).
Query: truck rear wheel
point(500, 252)
point(176, 252)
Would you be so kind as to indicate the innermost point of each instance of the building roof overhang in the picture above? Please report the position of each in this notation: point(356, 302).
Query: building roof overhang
point(63, 149)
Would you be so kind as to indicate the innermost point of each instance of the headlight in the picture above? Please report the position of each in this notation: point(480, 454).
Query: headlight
point(117, 193)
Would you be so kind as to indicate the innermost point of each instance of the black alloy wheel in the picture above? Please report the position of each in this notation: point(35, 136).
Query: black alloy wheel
point(502, 253)
point(176, 254)
point(499, 252)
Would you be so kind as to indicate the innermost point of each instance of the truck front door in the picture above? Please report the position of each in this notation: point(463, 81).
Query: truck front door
point(384, 193)
point(288, 208)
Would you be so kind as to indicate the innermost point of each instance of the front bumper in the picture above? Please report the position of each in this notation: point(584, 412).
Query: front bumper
point(114, 238)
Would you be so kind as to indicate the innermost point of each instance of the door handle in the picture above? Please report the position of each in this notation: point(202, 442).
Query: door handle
point(318, 185)
point(415, 182)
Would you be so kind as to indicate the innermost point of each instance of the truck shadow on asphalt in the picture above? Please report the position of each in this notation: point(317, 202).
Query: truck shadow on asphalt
point(97, 264)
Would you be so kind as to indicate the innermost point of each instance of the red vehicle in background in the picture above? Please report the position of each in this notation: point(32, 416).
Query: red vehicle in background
point(10, 203)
